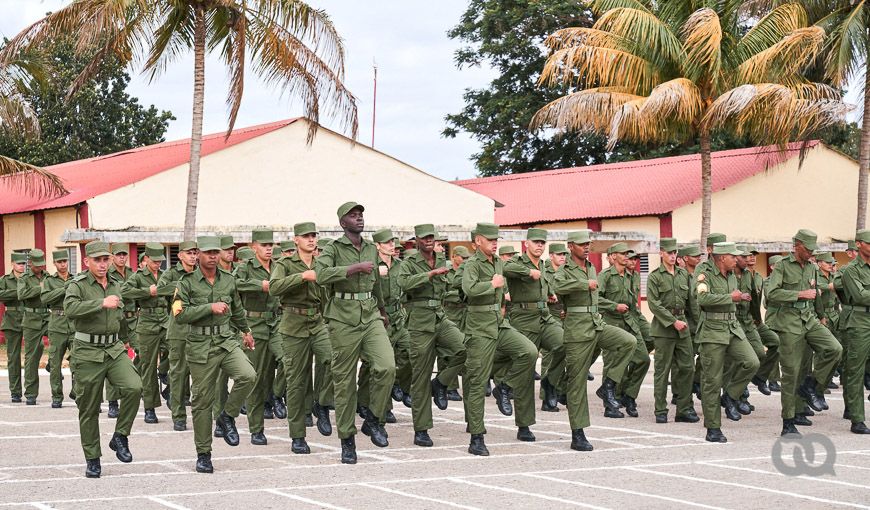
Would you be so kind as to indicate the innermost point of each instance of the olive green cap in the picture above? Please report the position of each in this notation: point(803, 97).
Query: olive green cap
point(57, 255)
point(462, 251)
point(487, 230)
point(288, 245)
point(726, 249)
point(807, 238)
point(348, 207)
point(37, 257)
point(225, 242)
point(824, 256)
point(97, 249)
point(155, 251)
point(618, 248)
point(19, 257)
point(667, 244)
point(850, 245)
point(187, 245)
point(441, 238)
point(323, 242)
point(689, 251)
point(861, 235)
point(262, 236)
point(775, 260)
point(245, 253)
point(303, 228)
point(633, 254)
point(120, 248)
point(580, 237)
point(383, 235)
point(507, 250)
point(715, 237)
point(744, 249)
point(411, 252)
point(210, 243)
point(558, 248)
point(536, 234)
point(424, 230)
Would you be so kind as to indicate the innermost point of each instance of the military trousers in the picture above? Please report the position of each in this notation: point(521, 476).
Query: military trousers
point(58, 345)
point(400, 342)
point(13, 357)
point(827, 352)
point(635, 371)
point(481, 352)
point(550, 338)
point(744, 364)
point(90, 377)
point(674, 357)
point(449, 343)
point(298, 354)
point(350, 344)
point(580, 353)
point(33, 349)
point(262, 358)
point(237, 367)
point(856, 363)
point(770, 340)
point(149, 350)
point(179, 379)
point(757, 347)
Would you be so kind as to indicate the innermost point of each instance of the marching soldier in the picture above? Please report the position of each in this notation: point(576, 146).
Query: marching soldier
point(585, 333)
point(93, 304)
point(35, 322)
point(422, 277)
point(11, 325)
point(691, 257)
point(356, 329)
point(288, 248)
point(207, 301)
point(304, 335)
point(856, 315)
point(120, 272)
point(60, 332)
point(763, 340)
point(489, 336)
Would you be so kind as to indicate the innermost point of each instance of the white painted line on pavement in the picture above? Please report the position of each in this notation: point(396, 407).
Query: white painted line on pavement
point(416, 496)
point(167, 504)
point(777, 473)
point(42, 506)
point(305, 500)
point(524, 493)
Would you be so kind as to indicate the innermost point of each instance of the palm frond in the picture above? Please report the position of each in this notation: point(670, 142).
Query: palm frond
point(589, 111)
point(771, 29)
point(702, 35)
point(171, 39)
point(591, 66)
point(649, 34)
point(17, 116)
point(848, 44)
point(235, 48)
point(602, 6)
point(677, 100)
point(790, 55)
point(30, 180)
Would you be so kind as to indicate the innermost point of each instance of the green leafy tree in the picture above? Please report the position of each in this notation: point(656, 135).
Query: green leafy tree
point(101, 118)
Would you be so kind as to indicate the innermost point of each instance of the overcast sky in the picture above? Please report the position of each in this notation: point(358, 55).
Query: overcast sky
point(418, 83)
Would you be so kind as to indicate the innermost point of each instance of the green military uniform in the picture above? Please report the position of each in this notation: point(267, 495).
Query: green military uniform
point(856, 322)
point(304, 335)
point(131, 316)
point(763, 340)
point(555, 306)
point(34, 324)
point(261, 309)
point(491, 339)
point(721, 336)
point(356, 329)
point(99, 354)
point(828, 303)
point(11, 325)
point(530, 315)
point(454, 302)
point(60, 332)
point(693, 251)
point(635, 312)
point(585, 332)
point(669, 295)
point(797, 325)
point(151, 327)
point(615, 289)
point(431, 334)
point(213, 346)
point(176, 337)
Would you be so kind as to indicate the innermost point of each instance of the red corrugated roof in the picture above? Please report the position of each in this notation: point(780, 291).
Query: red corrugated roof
point(87, 178)
point(637, 188)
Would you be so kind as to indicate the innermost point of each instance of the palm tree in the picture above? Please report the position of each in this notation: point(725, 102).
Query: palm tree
point(18, 118)
point(290, 44)
point(656, 72)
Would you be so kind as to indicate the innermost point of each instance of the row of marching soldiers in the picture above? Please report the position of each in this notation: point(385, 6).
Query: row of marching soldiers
point(331, 306)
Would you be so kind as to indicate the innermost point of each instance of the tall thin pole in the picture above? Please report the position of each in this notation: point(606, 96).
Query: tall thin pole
point(374, 102)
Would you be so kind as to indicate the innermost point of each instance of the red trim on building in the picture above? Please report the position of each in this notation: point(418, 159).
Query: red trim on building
point(133, 257)
point(666, 226)
point(39, 230)
point(595, 226)
point(82, 221)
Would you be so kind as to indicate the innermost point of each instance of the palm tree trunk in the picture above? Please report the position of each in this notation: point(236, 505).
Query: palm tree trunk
point(706, 187)
point(196, 131)
point(864, 158)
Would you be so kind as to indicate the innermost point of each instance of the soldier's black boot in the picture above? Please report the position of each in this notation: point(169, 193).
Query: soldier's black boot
point(389, 417)
point(406, 399)
point(279, 408)
point(550, 397)
point(716, 436)
point(866, 381)
point(397, 393)
point(372, 428)
point(300, 446)
point(630, 406)
point(860, 428)
point(114, 409)
point(774, 386)
point(439, 394)
point(730, 406)
point(228, 426)
point(579, 441)
point(421, 438)
point(761, 384)
point(454, 396)
point(807, 390)
point(477, 446)
point(788, 427)
point(324, 426)
point(607, 393)
point(150, 416)
point(259, 439)
point(121, 447)
point(203, 463)
point(93, 469)
point(348, 450)
point(802, 420)
point(268, 413)
point(501, 391)
point(218, 431)
point(524, 434)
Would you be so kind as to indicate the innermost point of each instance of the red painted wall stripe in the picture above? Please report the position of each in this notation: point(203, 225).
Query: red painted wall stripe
point(666, 226)
point(595, 226)
point(39, 230)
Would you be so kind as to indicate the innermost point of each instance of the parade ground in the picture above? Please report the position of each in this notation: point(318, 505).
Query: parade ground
point(636, 463)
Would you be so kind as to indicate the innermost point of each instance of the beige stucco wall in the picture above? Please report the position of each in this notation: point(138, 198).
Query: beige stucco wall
point(17, 235)
point(275, 179)
point(773, 205)
point(56, 222)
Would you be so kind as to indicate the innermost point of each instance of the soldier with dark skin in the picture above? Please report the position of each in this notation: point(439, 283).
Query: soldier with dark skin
point(35, 322)
point(120, 272)
point(856, 315)
point(11, 325)
point(93, 304)
point(60, 332)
